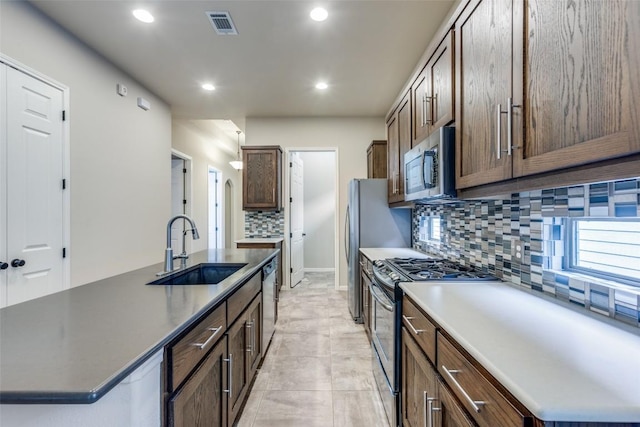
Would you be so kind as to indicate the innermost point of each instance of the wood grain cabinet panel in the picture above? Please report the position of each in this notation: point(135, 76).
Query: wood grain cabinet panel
point(418, 384)
point(398, 143)
point(377, 160)
point(239, 375)
point(545, 85)
point(447, 411)
point(393, 157)
point(262, 178)
point(419, 90)
point(470, 387)
point(420, 328)
point(202, 401)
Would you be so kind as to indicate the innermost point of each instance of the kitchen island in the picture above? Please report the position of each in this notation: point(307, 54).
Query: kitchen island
point(559, 364)
point(74, 347)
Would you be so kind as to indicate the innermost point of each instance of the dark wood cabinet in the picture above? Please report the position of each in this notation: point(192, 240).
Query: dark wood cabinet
point(563, 93)
point(433, 92)
point(202, 400)
point(267, 245)
point(447, 412)
point(245, 355)
point(398, 143)
point(418, 384)
point(262, 178)
point(377, 160)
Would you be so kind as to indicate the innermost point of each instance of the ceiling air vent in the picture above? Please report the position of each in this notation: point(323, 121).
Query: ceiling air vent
point(222, 23)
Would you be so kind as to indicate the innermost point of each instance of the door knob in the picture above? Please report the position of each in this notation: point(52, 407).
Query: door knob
point(17, 263)
point(3, 265)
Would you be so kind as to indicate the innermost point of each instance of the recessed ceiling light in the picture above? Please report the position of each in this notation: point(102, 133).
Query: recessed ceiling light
point(143, 15)
point(319, 14)
point(208, 86)
point(321, 85)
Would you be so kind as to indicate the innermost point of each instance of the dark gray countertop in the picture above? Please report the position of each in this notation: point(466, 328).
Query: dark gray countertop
point(75, 345)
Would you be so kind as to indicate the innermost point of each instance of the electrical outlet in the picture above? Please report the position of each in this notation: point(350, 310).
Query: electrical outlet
point(122, 89)
point(517, 248)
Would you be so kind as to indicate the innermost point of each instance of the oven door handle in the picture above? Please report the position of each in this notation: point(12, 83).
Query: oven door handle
point(380, 298)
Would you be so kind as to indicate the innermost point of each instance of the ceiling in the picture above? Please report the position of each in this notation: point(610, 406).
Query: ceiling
point(365, 51)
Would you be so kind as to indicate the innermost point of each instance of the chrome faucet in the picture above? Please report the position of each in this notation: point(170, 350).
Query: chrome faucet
point(168, 252)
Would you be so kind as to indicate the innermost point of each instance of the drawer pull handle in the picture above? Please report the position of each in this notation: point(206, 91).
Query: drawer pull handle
point(474, 403)
point(249, 348)
point(202, 345)
point(229, 374)
point(408, 320)
point(430, 408)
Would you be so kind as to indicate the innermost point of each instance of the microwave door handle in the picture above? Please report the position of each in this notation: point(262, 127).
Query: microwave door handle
point(428, 173)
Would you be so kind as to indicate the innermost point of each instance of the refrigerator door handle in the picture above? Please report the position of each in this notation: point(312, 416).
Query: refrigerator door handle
point(346, 234)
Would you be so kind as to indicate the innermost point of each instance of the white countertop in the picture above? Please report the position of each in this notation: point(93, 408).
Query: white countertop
point(382, 253)
point(260, 240)
point(561, 364)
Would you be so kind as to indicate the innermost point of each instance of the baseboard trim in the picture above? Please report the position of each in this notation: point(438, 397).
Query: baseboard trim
point(319, 270)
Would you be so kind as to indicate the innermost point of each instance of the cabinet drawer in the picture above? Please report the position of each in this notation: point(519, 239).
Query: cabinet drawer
point(242, 297)
point(185, 354)
point(420, 328)
point(484, 402)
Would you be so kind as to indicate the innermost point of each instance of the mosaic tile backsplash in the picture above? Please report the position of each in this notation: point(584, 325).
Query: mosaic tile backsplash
point(263, 224)
point(480, 234)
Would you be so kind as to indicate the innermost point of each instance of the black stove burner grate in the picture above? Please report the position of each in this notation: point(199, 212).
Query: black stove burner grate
point(436, 269)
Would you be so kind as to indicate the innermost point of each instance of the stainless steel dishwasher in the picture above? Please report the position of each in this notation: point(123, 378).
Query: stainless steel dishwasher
point(269, 301)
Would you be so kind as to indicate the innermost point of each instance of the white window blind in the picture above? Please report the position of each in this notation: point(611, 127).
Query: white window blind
point(607, 247)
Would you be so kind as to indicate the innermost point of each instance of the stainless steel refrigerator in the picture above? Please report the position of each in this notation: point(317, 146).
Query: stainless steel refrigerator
point(370, 223)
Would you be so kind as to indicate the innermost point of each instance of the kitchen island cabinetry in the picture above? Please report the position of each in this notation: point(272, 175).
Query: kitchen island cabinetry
point(262, 178)
point(265, 243)
point(563, 93)
point(398, 143)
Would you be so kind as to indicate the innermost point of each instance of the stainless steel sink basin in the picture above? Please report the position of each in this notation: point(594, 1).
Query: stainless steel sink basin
point(201, 274)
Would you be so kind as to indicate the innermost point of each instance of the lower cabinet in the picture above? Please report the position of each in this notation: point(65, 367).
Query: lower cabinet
point(366, 303)
point(418, 384)
point(202, 400)
point(447, 412)
point(209, 370)
point(245, 355)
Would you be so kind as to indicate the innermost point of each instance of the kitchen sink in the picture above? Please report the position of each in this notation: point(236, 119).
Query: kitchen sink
point(201, 274)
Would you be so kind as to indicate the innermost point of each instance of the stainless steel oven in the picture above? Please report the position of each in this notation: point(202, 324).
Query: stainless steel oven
point(384, 310)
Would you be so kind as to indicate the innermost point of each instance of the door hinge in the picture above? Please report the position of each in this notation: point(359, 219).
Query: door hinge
point(64, 252)
point(290, 199)
point(291, 270)
point(290, 164)
point(184, 201)
point(291, 235)
point(64, 184)
point(184, 170)
point(64, 115)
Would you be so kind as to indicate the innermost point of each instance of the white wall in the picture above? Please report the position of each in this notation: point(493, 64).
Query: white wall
point(351, 136)
point(120, 154)
point(203, 145)
point(319, 209)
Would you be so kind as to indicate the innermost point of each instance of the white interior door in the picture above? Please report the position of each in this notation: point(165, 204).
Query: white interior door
point(215, 223)
point(4, 257)
point(297, 219)
point(34, 194)
point(178, 179)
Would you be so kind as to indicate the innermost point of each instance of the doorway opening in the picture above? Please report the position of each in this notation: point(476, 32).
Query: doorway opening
point(312, 214)
point(180, 199)
point(215, 233)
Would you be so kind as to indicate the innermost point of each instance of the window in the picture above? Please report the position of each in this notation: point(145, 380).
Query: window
point(430, 229)
point(609, 248)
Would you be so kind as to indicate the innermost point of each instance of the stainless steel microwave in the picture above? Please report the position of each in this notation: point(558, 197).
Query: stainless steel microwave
point(430, 168)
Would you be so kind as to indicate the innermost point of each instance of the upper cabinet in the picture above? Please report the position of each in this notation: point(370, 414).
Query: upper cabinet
point(377, 160)
point(398, 143)
point(262, 178)
point(564, 92)
point(433, 92)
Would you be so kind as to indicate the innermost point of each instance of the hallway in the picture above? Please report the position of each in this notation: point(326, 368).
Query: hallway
point(317, 371)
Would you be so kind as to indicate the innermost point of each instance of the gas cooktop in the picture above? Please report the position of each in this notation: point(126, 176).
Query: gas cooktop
point(419, 269)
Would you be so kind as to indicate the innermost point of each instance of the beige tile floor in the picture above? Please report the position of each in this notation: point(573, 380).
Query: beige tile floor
point(317, 371)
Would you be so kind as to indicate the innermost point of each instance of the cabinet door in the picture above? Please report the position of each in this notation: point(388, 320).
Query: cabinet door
point(202, 400)
point(447, 412)
point(582, 86)
point(418, 384)
point(254, 335)
point(419, 98)
point(393, 152)
point(441, 95)
point(366, 303)
point(483, 52)
point(238, 354)
point(261, 178)
point(404, 140)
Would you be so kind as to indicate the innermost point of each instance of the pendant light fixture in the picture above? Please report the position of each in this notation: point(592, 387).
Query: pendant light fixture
point(237, 164)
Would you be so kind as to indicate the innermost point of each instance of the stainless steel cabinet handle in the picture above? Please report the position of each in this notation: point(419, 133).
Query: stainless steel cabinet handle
point(424, 109)
point(254, 330)
point(428, 101)
point(249, 348)
point(509, 125)
point(474, 403)
point(413, 328)
point(202, 345)
point(431, 409)
point(229, 374)
point(425, 406)
point(499, 132)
